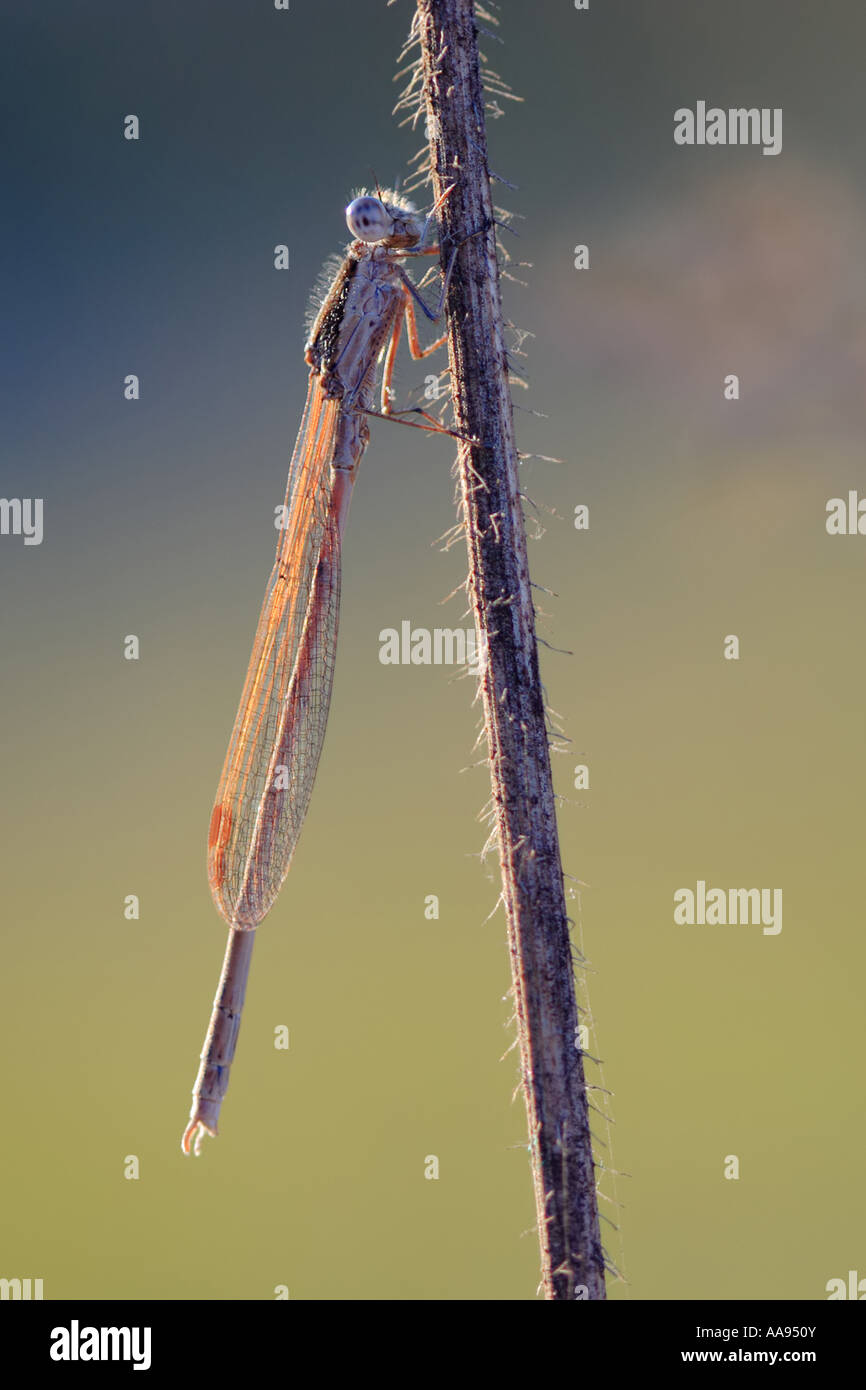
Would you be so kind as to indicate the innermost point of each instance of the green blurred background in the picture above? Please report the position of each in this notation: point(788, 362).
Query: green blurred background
point(707, 518)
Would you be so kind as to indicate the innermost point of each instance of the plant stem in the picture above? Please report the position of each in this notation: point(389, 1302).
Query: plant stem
point(539, 944)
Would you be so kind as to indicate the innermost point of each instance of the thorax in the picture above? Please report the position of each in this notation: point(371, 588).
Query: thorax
point(355, 320)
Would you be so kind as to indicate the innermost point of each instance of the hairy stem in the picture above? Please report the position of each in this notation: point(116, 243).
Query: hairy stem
point(539, 944)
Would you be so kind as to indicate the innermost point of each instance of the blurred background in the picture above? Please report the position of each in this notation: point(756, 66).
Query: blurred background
point(707, 518)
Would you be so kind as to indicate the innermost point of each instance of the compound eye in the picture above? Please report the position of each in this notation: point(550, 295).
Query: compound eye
point(368, 219)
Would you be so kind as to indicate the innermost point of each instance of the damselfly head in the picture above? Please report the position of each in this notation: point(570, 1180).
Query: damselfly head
point(373, 219)
point(368, 219)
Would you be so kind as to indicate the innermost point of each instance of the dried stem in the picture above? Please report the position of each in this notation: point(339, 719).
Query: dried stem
point(523, 804)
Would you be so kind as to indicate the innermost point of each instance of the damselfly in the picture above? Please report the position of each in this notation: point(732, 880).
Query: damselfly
point(274, 748)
